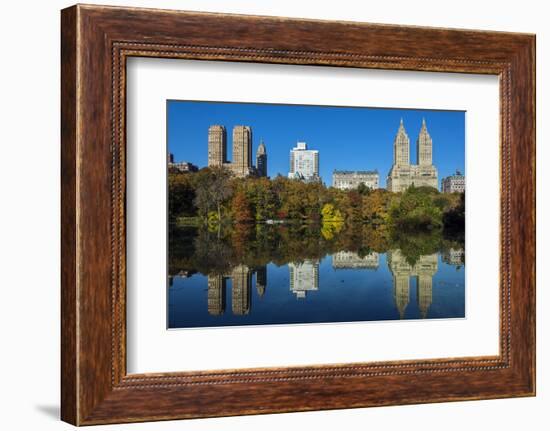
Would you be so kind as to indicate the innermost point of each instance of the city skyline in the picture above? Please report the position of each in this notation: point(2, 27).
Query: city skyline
point(347, 138)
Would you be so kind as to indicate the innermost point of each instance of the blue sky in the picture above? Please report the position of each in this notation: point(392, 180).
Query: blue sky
point(347, 138)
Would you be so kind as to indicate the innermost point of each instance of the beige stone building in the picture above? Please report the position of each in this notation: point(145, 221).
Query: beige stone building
point(403, 174)
point(241, 165)
point(347, 180)
point(454, 183)
point(217, 146)
point(180, 167)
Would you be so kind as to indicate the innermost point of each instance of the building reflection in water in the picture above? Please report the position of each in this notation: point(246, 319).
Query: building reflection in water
point(352, 260)
point(261, 280)
point(241, 285)
point(424, 270)
point(304, 277)
point(453, 256)
point(241, 277)
point(181, 274)
point(216, 294)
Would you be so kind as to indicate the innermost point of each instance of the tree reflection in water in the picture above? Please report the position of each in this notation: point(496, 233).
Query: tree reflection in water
point(238, 253)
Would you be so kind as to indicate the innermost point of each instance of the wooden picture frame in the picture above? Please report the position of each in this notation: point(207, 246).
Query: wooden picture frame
point(95, 43)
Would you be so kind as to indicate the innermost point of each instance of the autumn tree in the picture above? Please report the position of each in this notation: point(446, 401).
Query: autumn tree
point(181, 193)
point(213, 188)
point(263, 201)
point(240, 208)
point(353, 206)
point(375, 206)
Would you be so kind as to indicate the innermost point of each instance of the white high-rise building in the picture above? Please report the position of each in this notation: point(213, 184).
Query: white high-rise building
point(304, 163)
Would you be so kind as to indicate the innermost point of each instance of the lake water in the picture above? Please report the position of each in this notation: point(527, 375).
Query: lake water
point(338, 286)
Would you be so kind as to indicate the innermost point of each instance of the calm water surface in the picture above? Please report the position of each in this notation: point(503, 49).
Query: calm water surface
point(340, 286)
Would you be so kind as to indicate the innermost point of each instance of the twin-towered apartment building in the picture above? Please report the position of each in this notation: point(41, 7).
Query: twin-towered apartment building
point(241, 165)
point(403, 174)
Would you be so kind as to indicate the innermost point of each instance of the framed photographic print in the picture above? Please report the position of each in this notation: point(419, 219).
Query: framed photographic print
point(329, 214)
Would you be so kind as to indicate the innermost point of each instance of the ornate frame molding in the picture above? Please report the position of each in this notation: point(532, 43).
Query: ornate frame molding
point(96, 41)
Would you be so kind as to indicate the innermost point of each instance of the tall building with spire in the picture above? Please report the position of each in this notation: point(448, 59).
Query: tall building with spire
point(424, 146)
point(403, 174)
point(401, 147)
point(261, 160)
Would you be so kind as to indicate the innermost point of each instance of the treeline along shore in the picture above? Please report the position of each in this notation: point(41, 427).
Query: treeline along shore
point(213, 198)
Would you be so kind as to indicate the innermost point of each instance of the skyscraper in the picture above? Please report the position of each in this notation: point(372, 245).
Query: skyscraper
point(424, 146)
point(261, 160)
point(217, 147)
point(242, 151)
point(241, 166)
point(401, 147)
point(403, 174)
point(304, 163)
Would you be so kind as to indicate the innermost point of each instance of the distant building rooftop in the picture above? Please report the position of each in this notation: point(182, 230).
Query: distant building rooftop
point(336, 171)
point(457, 174)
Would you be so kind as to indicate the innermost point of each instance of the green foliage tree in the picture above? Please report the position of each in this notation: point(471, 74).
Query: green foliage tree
point(416, 211)
point(181, 193)
point(454, 217)
point(363, 189)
